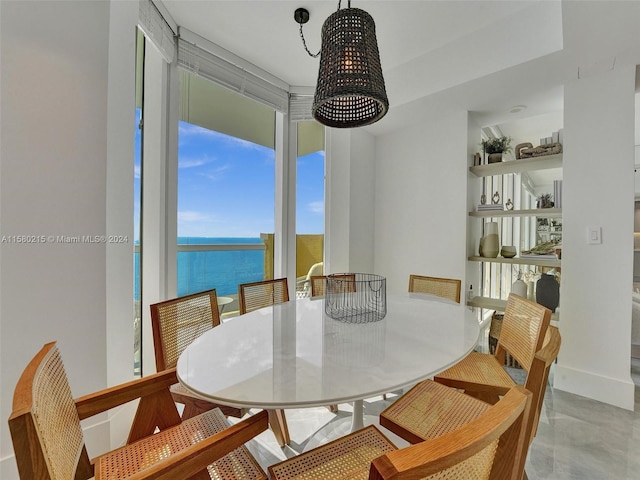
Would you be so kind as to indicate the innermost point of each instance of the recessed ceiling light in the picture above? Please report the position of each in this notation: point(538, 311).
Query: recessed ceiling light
point(517, 108)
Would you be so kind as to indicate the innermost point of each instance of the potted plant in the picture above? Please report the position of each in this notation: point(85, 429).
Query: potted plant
point(545, 201)
point(495, 147)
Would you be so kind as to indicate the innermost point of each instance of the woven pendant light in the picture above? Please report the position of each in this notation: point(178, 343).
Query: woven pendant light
point(350, 90)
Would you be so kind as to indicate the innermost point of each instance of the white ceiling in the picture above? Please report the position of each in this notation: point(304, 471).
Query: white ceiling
point(486, 56)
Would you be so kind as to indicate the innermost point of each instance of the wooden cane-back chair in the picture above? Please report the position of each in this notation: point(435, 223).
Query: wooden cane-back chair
point(48, 439)
point(255, 295)
point(431, 409)
point(483, 375)
point(442, 287)
point(319, 283)
point(176, 323)
point(492, 446)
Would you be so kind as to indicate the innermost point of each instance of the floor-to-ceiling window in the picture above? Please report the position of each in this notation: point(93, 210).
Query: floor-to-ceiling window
point(310, 177)
point(226, 188)
point(137, 196)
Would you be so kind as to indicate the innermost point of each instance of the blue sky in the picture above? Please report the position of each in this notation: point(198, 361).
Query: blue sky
point(226, 186)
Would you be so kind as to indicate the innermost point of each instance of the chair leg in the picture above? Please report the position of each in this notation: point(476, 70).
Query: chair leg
point(333, 408)
point(278, 423)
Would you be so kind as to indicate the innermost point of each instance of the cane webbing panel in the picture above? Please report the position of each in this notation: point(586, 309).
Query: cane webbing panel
point(262, 294)
point(523, 328)
point(476, 467)
point(319, 283)
point(481, 369)
point(178, 322)
point(132, 458)
point(56, 418)
point(442, 287)
point(429, 410)
point(348, 457)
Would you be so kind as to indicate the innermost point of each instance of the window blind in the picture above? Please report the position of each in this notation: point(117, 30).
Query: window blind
point(300, 107)
point(203, 63)
point(156, 29)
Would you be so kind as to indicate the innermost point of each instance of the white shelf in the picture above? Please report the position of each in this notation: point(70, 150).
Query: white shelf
point(536, 212)
point(546, 262)
point(517, 166)
point(547, 164)
point(497, 304)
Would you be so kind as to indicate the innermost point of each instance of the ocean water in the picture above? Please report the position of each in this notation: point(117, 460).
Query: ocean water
point(223, 270)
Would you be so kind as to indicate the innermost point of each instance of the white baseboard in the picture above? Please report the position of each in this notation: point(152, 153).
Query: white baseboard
point(8, 468)
point(613, 391)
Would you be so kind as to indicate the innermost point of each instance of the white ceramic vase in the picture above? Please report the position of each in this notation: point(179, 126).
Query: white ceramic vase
point(519, 287)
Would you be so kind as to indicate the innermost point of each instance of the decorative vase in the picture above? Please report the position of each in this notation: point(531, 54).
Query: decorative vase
point(490, 243)
point(548, 292)
point(519, 288)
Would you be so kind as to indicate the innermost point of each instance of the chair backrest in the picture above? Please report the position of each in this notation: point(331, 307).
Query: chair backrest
point(442, 287)
point(538, 375)
point(176, 323)
point(319, 283)
point(44, 424)
point(492, 446)
point(255, 295)
point(524, 327)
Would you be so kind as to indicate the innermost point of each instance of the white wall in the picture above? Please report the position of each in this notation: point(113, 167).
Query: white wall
point(598, 184)
point(58, 149)
point(350, 216)
point(421, 200)
point(596, 279)
point(362, 202)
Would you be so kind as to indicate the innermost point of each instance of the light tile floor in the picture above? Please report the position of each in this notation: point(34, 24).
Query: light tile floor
point(577, 438)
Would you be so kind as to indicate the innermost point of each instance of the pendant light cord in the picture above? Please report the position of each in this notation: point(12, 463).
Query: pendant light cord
point(304, 42)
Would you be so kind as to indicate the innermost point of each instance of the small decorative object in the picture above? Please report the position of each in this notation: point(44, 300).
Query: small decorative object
point(542, 248)
point(490, 243)
point(509, 204)
point(495, 147)
point(483, 199)
point(519, 287)
point(548, 291)
point(477, 159)
point(527, 150)
point(544, 201)
point(356, 297)
point(496, 198)
point(508, 251)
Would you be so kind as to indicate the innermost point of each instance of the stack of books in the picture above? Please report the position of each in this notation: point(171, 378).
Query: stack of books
point(535, 256)
point(490, 206)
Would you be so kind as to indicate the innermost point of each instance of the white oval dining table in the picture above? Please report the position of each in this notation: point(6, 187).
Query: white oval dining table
point(293, 355)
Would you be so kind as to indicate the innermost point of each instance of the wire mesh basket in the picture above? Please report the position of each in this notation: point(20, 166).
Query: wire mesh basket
point(356, 297)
